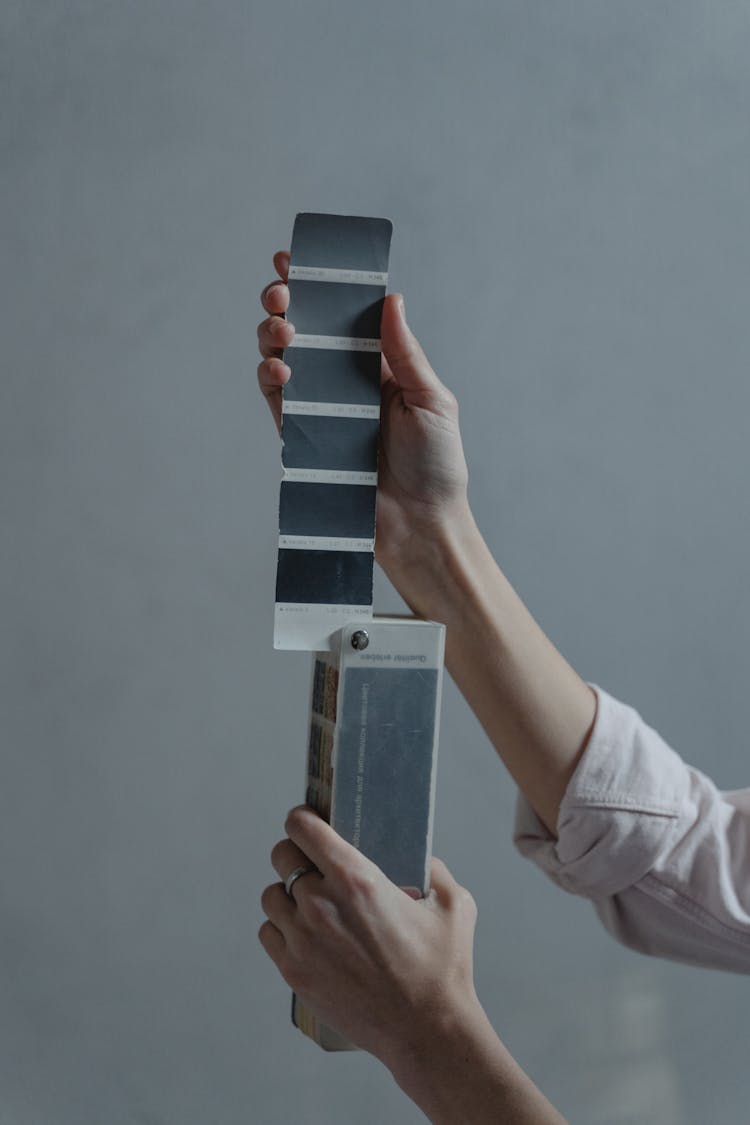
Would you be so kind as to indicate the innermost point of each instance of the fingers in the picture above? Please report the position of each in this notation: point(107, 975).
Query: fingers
point(325, 848)
point(440, 876)
point(442, 882)
point(404, 359)
point(272, 941)
point(273, 373)
point(447, 892)
point(277, 905)
point(274, 334)
point(275, 298)
point(281, 261)
point(286, 857)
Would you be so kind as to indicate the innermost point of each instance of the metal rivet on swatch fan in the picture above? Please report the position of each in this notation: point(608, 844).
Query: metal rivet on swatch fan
point(360, 639)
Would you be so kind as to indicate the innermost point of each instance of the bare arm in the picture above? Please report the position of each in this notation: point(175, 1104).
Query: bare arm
point(535, 709)
point(394, 976)
point(464, 1073)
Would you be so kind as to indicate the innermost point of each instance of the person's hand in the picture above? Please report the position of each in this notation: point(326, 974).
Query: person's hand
point(422, 474)
point(376, 965)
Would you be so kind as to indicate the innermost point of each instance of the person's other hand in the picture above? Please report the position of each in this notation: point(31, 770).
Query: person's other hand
point(376, 965)
point(422, 474)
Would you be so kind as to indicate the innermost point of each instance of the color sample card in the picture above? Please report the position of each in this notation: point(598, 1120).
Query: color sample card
point(338, 275)
point(345, 377)
point(384, 793)
point(319, 441)
point(372, 753)
point(312, 511)
point(338, 577)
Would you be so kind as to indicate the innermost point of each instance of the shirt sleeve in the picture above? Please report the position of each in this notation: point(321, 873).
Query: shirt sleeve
point(663, 855)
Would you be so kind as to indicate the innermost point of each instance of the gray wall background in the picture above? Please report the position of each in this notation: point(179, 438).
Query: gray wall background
point(568, 184)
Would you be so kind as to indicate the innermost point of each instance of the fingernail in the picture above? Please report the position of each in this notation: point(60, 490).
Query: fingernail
point(402, 308)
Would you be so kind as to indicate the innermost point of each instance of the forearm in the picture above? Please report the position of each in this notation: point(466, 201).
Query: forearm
point(534, 707)
point(460, 1071)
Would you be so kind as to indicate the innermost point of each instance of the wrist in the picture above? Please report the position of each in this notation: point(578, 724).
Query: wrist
point(461, 1071)
point(417, 1058)
point(433, 567)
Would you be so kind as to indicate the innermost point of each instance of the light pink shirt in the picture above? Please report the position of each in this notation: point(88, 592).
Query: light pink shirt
point(662, 853)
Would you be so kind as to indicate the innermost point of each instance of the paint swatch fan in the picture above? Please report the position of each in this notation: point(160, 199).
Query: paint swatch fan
point(376, 681)
point(330, 423)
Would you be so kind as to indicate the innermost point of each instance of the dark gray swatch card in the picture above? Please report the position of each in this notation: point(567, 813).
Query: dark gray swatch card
point(324, 577)
point(314, 441)
point(341, 241)
point(385, 788)
point(335, 309)
point(333, 376)
point(334, 510)
point(330, 426)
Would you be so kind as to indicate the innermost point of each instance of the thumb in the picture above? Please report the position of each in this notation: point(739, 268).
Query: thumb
point(442, 884)
point(402, 350)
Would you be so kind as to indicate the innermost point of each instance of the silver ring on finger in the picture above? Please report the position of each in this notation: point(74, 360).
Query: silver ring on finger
point(292, 878)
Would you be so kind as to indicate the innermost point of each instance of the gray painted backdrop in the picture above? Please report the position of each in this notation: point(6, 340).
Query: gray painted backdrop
point(568, 184)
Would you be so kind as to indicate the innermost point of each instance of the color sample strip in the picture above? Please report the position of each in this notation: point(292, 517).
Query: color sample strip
point(343, 510)
point(324, 577)
point(330, 428)
point(330, 308)
point(351, 377)
point(314, 441)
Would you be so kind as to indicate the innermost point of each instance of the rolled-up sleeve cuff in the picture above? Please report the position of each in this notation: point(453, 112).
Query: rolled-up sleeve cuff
point(619, 811)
